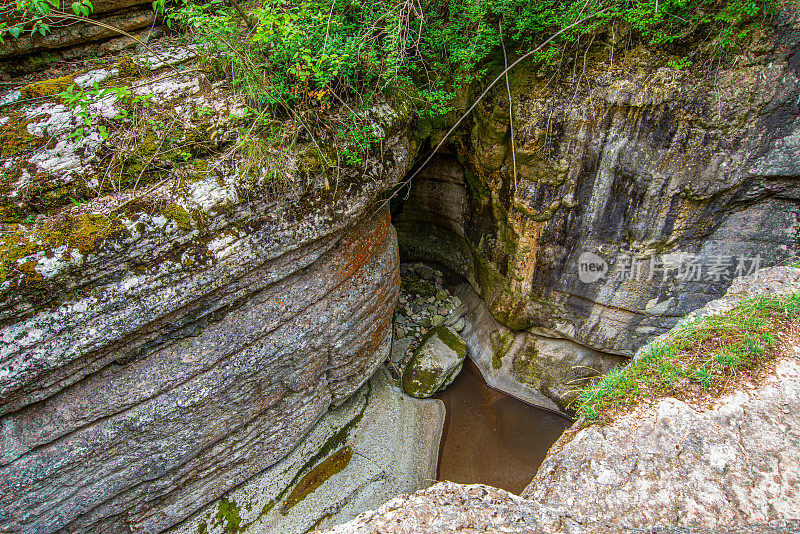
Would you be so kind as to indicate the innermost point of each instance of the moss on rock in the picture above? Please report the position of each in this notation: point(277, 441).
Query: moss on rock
point(330, 466)
point(47, 87)
point(435, 363)
point(84, 232)
point(500, 343)
point(179, 215)
point(15, 138)
point(423, 288)
point(228, 516)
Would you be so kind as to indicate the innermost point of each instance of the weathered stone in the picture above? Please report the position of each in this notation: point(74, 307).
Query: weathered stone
point(735, 463)
point(716, 463)
point(447, 507)
point(394, 441)
point(424, 272)
point(146, 371)
point(435, 363)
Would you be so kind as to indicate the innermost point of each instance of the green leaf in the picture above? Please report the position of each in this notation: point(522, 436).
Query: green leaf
point(15, 31)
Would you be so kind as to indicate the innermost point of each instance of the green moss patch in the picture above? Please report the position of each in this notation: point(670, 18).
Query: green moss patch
point(336, 440)
point(47, 87)
point(423, 288)
point(15, 138)
point(528, 367)
point(179, 215)
point(84, 232)
point(330, 466)
point(500, 343)
point(421, 378)
point(228, 516)
point(705, 358)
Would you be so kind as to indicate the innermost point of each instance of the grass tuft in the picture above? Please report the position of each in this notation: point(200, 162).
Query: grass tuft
point(703, 357)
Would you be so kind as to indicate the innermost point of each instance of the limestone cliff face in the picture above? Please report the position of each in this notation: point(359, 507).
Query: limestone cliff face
point(155, 355)
point(629, 160)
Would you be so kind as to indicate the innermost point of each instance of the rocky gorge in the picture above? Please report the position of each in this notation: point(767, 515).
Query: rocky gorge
point(193, 335)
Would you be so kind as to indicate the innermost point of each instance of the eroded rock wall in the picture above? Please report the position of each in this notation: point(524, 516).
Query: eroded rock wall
point(673, 181)
point(634, 159)
point(146, 370)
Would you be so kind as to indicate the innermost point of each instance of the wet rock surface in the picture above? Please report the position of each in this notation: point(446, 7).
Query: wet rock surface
point(539, 367)
point(392, 441)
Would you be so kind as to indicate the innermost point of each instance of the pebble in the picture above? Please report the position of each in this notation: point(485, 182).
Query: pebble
point(424, 272)
point(436, 320)
point(399, 332)
point(460, 324)
point(442, 294)
point(402, 299)
point(430, 300)
point(456, 301)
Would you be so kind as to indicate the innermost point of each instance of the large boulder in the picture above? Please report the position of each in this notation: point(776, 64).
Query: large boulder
point(435, 363)
point(446, 508)
point(699, 462)
point(171, 325)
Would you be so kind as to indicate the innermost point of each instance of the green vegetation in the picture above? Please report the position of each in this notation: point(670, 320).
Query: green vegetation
point(36, 16)
point(321, 53)
point(228, 516)
point(704, 356)
point(318, 66)
point(82, 99)
point(83, 232)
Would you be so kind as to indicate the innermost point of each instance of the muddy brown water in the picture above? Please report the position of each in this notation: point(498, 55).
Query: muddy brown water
point(492, 438)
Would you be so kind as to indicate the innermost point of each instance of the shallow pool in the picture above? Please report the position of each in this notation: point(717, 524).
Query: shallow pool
point(492, 438)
